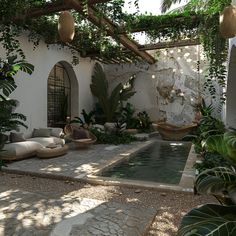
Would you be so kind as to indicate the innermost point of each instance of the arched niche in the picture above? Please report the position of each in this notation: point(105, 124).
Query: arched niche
point(231, 90)
point(63, 99)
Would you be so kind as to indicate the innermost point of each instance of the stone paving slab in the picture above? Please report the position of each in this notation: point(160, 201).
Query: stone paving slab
point(32, 214)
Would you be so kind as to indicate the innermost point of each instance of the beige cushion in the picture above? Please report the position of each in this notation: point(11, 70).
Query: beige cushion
point(19, 150)
point(41, 132)
point(45, 141)
point(16, 137)
point(57, 132)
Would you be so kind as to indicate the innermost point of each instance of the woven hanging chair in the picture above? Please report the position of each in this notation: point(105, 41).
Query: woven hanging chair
point(81, 137)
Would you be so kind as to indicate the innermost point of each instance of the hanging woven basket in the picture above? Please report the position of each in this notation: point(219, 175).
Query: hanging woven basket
point(66, 27)
point(228, 22)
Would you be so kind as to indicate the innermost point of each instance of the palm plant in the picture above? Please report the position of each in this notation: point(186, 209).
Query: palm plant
point(109, 102)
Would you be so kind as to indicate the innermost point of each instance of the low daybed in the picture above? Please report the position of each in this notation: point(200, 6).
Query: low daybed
point(24, 146)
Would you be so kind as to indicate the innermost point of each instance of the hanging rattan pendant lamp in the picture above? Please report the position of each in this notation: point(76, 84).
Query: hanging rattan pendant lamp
point(228, 22)
point(66, 27)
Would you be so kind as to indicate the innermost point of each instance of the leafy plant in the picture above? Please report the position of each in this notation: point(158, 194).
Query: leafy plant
point(10, 120)
point(219, 182)
point(210, 219)
point(207, 126)
point(108, 102)
point(127, 116)
point(113, 138)
point(211, 160)
point(86, 121)
point(225, 144)
point(144, 122)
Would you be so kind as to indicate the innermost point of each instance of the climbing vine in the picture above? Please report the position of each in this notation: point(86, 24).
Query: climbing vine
point(198, 19)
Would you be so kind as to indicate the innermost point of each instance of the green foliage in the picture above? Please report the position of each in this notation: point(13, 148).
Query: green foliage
point(86, 121)
point(209, 219)
point(109, 103)
point(116, 138)
point(225, 144)
point(207, 126)
point(10, 120)
point(200, 20)
point(144, 122)
point(211, 160)
point(128, 116)
point(219, 182)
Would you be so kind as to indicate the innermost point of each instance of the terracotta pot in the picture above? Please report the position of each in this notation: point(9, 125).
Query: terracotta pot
point(228, 22)
point(66, 27)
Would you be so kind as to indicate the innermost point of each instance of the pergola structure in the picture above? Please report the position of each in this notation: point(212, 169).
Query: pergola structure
point(112, 29)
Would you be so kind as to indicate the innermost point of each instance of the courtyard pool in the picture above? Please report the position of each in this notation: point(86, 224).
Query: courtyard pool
point(162, 162)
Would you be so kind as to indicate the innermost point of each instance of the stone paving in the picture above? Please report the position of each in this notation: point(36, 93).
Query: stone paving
point(76, 163)
point(33, 214)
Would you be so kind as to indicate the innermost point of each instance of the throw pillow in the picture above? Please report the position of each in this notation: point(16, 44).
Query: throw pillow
point(80, 134)
point(57, 132)
point(16, 137)
point(41, 133)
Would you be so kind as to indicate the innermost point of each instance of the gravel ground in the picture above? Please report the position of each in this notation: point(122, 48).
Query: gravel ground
point(171, 206)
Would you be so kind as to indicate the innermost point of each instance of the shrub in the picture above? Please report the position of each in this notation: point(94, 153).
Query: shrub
point(119, 138)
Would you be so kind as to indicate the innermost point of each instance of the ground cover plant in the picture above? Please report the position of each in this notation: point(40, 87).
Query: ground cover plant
point(113, 138)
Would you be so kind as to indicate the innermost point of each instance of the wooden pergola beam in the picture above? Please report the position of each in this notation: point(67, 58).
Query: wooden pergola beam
point(112, 29)
point(50, 8)
point(182, 43)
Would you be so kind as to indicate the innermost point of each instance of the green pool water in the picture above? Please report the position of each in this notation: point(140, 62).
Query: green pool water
point(162, 162)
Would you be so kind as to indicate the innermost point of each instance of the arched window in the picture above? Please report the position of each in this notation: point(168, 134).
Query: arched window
point(59, 96)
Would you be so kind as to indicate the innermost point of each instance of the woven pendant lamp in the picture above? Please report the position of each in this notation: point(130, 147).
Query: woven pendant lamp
point(228, 22)
point(66, 27)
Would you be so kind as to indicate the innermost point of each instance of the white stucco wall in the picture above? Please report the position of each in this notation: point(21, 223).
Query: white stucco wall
point(159, 86)
point(32, 90)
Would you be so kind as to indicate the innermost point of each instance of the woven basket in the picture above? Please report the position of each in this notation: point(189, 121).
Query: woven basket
point(66, 27)
point(228, 22)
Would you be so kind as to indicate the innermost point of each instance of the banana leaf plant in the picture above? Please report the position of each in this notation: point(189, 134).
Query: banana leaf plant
point(109, 102)
point(10, 120)
point(220, 182)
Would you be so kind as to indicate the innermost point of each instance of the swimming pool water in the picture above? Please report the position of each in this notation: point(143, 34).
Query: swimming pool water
point(162, 162)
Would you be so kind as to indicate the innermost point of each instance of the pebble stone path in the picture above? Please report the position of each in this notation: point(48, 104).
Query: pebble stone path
point(33, 214)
